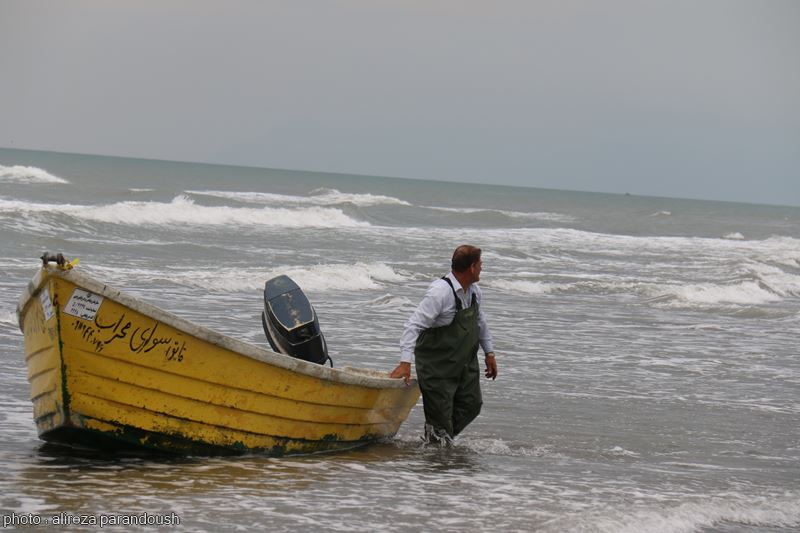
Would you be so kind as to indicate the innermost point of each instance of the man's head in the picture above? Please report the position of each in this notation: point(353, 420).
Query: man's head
point(467, 262)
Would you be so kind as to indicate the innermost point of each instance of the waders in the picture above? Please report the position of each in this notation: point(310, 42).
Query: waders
point(448, 372)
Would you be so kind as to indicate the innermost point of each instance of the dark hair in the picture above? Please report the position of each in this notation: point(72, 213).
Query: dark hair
point(464, 257)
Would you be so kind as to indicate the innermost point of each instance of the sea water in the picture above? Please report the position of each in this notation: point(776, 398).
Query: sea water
point(649, 377)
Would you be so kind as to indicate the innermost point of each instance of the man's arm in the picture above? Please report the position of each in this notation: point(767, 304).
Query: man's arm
point(485, 339)
point(491, 365)
point(403, 370)
point(421, 319)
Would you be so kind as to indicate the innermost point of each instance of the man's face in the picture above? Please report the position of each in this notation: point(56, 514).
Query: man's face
point(475, 270)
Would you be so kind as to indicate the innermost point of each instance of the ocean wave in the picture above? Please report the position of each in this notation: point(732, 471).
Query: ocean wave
point(619, 451)
point(351, 277)
point(525, 287)
point(522, 215)
point(333, 196)
point(775, 279)
point(705, 294)
point(23, 174)
point(538, 246)
point(762, 284)
point(183, 211)
point(777, 511)
point(736, 236)
point(323, 197)
point(586, 283)
point(759, 284)
point(584, 240)
point(8, 318)
point(491, 446)
point(316, 278)
point(781, 250)
point(390, 301)
point(479, 445)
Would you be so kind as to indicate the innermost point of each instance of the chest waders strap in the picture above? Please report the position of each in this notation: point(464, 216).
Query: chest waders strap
point(459, 305)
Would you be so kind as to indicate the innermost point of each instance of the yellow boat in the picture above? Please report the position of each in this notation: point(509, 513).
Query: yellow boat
point(109, 370)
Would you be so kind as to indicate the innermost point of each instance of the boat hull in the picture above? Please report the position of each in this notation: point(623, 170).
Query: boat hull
point(108, 370)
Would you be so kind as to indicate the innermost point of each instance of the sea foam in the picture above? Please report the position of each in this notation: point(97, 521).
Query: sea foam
point(780, 282)
point(494, 446)
point(316, 278)
point(23, 174)
point(782, 250)
point(184, 212)
point(388, 301)
point(523, 287)
point(8, 318)
point(523, 215)
point(349, 277)
point(743, 293)
point(777, 512)
point(323, 197)
point(736, 236)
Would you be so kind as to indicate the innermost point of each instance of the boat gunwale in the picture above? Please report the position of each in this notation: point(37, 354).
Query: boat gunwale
point(356, 377)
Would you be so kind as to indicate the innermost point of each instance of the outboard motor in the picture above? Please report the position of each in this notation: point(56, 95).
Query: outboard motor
point(290, 322)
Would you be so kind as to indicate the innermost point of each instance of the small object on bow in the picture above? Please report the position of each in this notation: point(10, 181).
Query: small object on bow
point(59, 260)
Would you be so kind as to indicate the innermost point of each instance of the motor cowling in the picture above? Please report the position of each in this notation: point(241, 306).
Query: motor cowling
point(290, 322)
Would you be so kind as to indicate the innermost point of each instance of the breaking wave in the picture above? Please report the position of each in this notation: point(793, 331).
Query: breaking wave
point(359, 276)
point(323, 197)
point(779, 511)
point(317, 278)
point(23, 174)
point(757, 284)
point(183, 211)
point(8, 318)
point(525, 287)
point(744, 293)
point(764, 284)
point(782, 250)
point(776, 280)
point(388, 301)
point(521, 215)
point(500, 447)
point(478, 445)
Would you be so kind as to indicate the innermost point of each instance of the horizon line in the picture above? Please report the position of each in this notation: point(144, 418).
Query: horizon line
point(406, 178)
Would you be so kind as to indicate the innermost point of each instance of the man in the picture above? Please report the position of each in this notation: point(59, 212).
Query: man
point(443, 335)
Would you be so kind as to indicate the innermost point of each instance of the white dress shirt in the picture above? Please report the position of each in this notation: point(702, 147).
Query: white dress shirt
point(438, 308)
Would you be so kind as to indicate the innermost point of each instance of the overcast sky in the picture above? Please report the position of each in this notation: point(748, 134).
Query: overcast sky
point(697, 98)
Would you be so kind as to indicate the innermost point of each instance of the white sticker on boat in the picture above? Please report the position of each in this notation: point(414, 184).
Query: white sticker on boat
point(83, 304)
point(47, 304)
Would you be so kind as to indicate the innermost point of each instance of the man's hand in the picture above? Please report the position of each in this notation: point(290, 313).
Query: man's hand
point(403, 370)
point(491, 366)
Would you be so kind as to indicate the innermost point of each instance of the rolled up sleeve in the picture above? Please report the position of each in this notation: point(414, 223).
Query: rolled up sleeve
point(421, 319)
point(484, 333)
